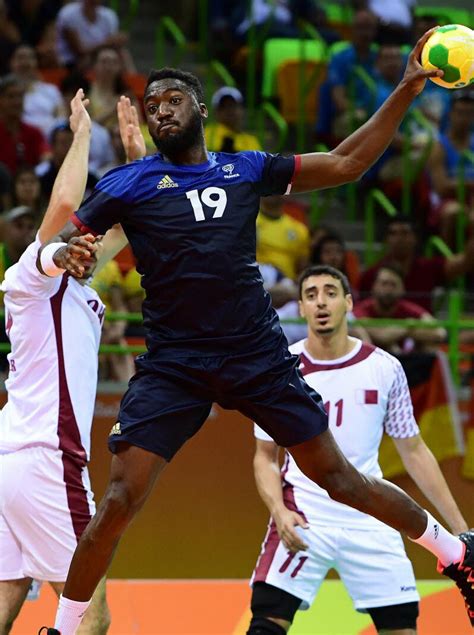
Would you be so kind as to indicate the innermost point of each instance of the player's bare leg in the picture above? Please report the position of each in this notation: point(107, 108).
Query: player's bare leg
point(398, 631)
point(96, 621)
point(12, 595)
point(133, 473)
point(322, 461)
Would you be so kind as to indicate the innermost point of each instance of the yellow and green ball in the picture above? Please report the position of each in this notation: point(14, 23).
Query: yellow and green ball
point(451, 49)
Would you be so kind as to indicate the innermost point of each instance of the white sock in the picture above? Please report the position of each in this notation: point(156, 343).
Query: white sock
point(69, 615)
point(444, 545)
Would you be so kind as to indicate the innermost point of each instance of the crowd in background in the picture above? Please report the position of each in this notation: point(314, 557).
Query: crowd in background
point(49, 49)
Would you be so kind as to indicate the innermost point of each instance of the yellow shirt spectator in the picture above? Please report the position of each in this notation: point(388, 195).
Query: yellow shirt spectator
point(105, 280)
point(227, 134)
point(220, 138)
point(282, 241)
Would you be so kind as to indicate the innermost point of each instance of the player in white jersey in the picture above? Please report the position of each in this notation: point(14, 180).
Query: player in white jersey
point(54, 325)
point(366, 394)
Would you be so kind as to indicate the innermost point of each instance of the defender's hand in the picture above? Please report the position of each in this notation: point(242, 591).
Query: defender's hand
point(79, 118)
point(415, 75)
point(130, 133)
point(286, 521)
point(79, 254)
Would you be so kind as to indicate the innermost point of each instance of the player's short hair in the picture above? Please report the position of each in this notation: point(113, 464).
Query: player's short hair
point(175, 73)
point(324, 270)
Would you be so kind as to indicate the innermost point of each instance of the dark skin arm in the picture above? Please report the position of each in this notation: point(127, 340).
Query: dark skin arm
point(354, 156)
point(78, 255)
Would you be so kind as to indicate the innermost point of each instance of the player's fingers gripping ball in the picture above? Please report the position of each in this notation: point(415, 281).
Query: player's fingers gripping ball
point(450, 49)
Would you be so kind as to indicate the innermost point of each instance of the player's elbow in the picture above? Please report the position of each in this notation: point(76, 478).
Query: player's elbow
point(350, 169)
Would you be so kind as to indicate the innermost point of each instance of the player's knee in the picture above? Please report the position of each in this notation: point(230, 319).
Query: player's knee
point(269, 603)
point(397, 617)
point(123, 500)
point(265, 626)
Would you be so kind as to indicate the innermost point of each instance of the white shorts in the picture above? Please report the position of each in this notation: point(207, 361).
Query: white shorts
point(45, 505)
point(372, 565)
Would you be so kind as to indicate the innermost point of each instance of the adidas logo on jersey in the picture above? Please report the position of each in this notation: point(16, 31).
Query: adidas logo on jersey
point(166, 182)
point(115, 429)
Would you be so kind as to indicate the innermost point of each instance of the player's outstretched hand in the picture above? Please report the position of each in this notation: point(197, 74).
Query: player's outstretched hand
point(286, 521)
point(130, 133)
point(79, 255)
point(415, 74)
point(79, 118)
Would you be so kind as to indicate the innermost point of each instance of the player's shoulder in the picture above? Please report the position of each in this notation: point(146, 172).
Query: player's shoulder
point(121, 180)
point(297, 348)
point(383, 359)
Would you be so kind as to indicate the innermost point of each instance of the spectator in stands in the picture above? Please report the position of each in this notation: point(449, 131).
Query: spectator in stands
point(43, 102)
point(5, 188)
point(26, 191)
point(282, 241)
point(101, 151)
point(227, 134)
point(108, 284)
point(32, 18)
point(20, 143)
point(18, 230)
point(343, 84)
point(330, 249)
point(395, 19)
point(421, 275)
point(449, 164)
point(133, 295)
point(107, 86)
point(387, 301)
point(9, 38)
point(17, 227)
point(84, 26)
point(61, 140)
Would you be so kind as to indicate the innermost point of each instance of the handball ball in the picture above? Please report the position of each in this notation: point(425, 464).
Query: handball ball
point(451, 49)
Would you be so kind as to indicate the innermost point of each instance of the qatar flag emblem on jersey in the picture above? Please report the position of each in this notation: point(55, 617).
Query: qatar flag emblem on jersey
point(370, 397)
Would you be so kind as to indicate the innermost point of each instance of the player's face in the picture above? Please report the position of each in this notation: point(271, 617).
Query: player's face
point(174, 116)
point(324, 304)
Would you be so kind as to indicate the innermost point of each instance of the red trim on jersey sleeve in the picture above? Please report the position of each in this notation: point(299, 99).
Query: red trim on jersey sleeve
point(307, 366)
point(297, 169)
point(84, 229)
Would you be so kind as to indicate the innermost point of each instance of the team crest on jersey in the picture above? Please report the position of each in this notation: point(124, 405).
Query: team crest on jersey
point(115, 429)
point(166, 182)
point(229, 171)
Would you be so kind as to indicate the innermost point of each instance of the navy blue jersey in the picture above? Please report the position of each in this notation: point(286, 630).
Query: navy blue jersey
point(192, 231)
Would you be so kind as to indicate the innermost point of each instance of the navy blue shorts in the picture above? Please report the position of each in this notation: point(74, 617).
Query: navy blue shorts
point(167, 402)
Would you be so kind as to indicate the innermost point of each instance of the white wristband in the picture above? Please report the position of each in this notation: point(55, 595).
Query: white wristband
point(46, 259)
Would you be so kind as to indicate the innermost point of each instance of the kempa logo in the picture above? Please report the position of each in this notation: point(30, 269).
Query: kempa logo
point(229, 170)
point(436, 530)
point(166, 182)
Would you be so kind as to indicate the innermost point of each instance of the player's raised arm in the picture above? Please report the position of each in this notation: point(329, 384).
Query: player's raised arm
point(354, 156)
point(130, 133)
point(70, 183)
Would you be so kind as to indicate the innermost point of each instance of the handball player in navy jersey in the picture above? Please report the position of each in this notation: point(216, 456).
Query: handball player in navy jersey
point(211, 332)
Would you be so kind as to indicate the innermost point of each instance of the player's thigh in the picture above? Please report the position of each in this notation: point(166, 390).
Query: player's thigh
point(48, 505)
point(375, 569)
point(160, 411)
point(96, 621)
point(299, 574)
point(269, 389)
point(12, 597)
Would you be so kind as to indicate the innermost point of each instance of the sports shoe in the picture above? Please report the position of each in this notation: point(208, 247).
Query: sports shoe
point(49, 631)
point(463, 572)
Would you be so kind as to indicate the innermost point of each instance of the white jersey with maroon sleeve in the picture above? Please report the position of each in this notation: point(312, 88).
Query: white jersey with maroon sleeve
point(54, 327)
point(365, 394)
